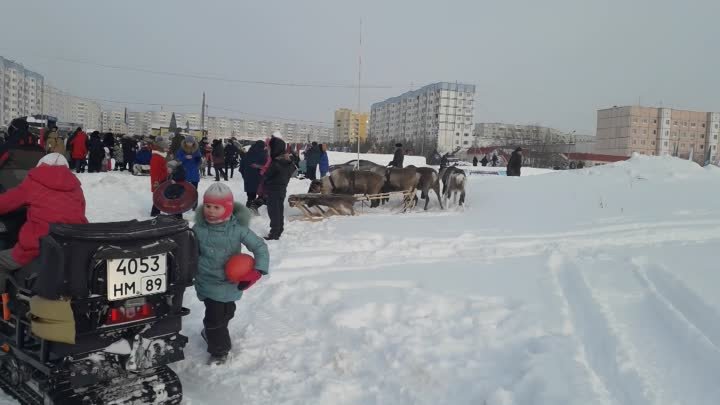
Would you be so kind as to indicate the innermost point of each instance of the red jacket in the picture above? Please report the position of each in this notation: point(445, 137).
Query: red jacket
point(158, 170)
point(79, 146)
point(52, 195)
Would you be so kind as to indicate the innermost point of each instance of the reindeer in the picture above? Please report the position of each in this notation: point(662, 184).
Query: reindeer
point(348, 181)
point(428, 179)
point(454, 180)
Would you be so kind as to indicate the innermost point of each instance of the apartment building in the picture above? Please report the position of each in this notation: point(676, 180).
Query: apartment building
point(349, 125)
point(114, 121)
point(71, 109)
point(438, 116)
point(21, 91)
point(141, 123)
point(693, 135)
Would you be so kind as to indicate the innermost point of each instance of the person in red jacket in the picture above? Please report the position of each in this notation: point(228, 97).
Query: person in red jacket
point(78, 150)
point(158, 167)
point(52, 195)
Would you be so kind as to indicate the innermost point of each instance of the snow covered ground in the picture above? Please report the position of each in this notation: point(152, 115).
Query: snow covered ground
point(595, 286)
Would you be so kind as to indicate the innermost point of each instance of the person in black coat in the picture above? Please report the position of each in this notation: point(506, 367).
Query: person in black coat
point(275, 182)
point(109, 140)
point(494, 160)
point(475, 161)
point(68, 147)
point(232, 152)
point(515, 163)
point(398, 157)
point(129, 147)
point(444, 161)
point(312, 159)
point(218, 157)
point(484, 161)
point(250, 166)
point(96, 151)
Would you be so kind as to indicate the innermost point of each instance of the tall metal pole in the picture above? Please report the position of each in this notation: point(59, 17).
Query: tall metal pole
point(358, 97)
point(202, 116)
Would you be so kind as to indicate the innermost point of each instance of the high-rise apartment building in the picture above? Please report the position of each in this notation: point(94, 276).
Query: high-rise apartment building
point(71, 109)
point(114, 121)
point(658, 131)
point(21, 91)
point(349, 125)
point(438, 116)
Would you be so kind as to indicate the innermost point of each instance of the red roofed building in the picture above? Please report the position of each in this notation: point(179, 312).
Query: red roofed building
point(593, 159)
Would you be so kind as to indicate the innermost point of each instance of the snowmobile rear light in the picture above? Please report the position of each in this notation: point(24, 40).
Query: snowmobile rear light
point(125, 314)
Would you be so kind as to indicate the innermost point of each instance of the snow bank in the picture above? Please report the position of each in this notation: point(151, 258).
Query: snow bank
point(594, 286)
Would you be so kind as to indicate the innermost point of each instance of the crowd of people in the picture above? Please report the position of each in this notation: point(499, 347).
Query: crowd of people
point(514, 164)
point(265, 167)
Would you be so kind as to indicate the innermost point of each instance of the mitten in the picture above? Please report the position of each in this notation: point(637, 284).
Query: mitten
point(249, 280)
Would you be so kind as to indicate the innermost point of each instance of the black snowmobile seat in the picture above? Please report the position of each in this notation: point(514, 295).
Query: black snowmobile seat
point(72, 257)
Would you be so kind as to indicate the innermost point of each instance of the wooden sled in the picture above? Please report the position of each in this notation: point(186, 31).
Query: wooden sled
point(316, 207)
point(407, 196)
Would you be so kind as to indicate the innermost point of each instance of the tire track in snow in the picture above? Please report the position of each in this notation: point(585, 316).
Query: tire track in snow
point(356, 252)
point(673, 360)
point(682, 301)
point(601, 349)
point(690, 360)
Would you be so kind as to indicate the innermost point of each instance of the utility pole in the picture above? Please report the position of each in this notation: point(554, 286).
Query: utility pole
point(202, 116)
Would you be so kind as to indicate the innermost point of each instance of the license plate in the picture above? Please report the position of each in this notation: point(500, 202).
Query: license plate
point(127, 278)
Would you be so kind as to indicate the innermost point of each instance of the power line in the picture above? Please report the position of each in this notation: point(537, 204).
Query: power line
point(268, 116)
point(101, 100)
point(212, 77)
point(222, 108)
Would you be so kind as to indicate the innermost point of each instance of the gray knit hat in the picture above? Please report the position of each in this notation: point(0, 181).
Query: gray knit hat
point(219, 191)
point(162, 143)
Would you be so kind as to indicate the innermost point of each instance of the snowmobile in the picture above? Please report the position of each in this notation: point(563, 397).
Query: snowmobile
point(96, 318)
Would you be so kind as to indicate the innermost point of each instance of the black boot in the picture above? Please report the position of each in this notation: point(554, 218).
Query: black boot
point(217, 359)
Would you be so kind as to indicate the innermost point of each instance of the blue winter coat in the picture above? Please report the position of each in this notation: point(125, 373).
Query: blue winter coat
point(324, 164)
point(251, 176)
point(143, 157)
point(217, 243)
point(192, 165)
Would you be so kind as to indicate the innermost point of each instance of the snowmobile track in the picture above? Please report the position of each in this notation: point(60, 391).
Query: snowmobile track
point(644, 348)
point(601, 344)
point(683, 302)
point(23, 394)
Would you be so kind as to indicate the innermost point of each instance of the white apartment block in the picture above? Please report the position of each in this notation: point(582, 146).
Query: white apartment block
point(20, 91)
point(141, 123)
point(686, 134)
point(137, 124)
point(438, 116)
point(113, 121)
point(71, 109)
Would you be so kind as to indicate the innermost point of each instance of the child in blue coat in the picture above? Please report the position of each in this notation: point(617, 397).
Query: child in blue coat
point(221, 228)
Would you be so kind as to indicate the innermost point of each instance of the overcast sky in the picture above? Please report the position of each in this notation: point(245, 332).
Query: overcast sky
point(550, 62)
